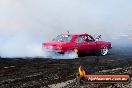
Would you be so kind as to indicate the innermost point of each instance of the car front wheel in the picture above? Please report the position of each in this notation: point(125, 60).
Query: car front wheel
point(104, 50)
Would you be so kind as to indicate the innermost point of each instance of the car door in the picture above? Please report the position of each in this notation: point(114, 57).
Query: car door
point(91, 45)
point(80, 43)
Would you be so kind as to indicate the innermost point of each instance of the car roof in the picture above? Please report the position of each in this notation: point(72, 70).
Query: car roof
point(77, 34)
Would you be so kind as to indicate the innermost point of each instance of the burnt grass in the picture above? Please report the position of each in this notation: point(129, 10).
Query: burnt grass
point(41, 72)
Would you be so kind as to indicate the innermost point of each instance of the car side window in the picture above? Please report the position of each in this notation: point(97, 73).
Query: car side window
point(88, 39)
point(79, 39)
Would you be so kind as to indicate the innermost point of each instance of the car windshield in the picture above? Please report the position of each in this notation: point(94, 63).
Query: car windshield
point(62, 38)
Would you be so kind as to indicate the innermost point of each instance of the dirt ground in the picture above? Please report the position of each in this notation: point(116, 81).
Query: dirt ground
point(47, 72)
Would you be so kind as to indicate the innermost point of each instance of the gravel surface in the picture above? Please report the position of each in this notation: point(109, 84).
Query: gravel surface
point(61, 73)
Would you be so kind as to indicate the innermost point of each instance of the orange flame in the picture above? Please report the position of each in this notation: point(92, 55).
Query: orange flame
point(81, 71)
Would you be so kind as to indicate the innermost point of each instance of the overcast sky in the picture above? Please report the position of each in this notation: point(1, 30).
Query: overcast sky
point(26, 22)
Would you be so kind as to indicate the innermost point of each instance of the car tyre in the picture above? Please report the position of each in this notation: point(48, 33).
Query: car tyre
point(104, 51)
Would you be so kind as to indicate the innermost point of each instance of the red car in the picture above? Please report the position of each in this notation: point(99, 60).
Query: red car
point(79, 43)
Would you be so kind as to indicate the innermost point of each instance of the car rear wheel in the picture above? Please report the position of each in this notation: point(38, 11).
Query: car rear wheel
point(104, 50)
point(75, 50)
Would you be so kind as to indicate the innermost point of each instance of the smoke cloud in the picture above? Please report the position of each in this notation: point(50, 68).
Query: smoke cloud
point(25, 24)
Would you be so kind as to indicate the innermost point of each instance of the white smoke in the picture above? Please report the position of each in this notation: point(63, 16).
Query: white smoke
point(66, 55)
point(25, 24)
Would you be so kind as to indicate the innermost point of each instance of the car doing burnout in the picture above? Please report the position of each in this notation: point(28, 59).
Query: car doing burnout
point(79, 43)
